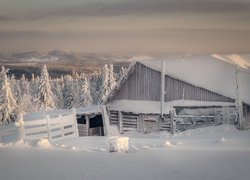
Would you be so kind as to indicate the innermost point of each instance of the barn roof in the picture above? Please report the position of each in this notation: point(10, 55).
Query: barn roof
point(212, 72)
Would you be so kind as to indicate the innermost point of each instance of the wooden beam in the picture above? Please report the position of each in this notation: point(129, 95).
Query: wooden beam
point(239, 103)
point(87, 124)
point(162, 87)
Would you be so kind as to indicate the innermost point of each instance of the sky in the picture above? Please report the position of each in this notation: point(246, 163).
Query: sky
point(126, 26)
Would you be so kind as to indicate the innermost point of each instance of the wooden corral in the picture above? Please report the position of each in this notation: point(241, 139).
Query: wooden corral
point(142, 84)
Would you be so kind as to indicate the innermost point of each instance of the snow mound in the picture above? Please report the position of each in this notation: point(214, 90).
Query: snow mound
point(18, 144)
point(209, 130)
point(223, 140)
point(168, 144)
point(118, 144)
point(43, 143)
point(153, 135)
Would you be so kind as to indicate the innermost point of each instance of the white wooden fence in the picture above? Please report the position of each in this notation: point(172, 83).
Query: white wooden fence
point(53, 128)
point(9, 131)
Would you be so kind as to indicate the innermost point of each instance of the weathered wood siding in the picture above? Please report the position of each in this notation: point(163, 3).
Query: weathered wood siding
point(177, 89)
point(145, 84)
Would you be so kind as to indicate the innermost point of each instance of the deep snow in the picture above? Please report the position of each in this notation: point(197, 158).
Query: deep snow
point(220, 152)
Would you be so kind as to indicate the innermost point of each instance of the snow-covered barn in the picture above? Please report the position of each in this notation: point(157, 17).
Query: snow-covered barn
point(196, 89)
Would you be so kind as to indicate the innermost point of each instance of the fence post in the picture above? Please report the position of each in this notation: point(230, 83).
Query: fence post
point(172, 122)
point(62, 125)
point(87, 124)
point(75, 122)
point(21, 126)
point(48, 127)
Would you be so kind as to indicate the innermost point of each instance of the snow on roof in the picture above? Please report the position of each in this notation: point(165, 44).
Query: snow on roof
point(242, 60)
point(153, 107)
point(51, 113)
point(213, 72)
point(95, 109)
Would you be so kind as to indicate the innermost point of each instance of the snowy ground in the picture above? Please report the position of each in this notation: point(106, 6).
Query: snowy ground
point(202, 154)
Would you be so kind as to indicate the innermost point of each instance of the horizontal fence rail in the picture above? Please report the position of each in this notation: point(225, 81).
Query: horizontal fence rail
point(9, 131)
point(54, 128)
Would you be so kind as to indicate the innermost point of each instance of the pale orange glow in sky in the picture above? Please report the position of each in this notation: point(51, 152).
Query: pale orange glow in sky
point(126, 26)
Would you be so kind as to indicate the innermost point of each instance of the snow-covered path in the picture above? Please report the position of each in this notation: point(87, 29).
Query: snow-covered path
point(158, 164)
point(212, 153)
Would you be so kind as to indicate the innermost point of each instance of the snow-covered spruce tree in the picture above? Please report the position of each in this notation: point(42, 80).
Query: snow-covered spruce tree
point(57, 86)
point(68, 92)
point(15, 87)
point(44, 94)
point(95, 86)
point(8, 107)
point(122, 72)
point(112, 80)
point(86, 98)
point(105, 88)
point(24, 85)
point(77, 92)
point(34, 84)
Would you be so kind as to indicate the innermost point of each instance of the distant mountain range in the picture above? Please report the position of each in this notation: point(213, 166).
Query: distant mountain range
point(61, 62)
point(60, 55)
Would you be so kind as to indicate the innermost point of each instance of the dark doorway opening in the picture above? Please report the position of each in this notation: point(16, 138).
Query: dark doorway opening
point(81, 119)
point(96, 126)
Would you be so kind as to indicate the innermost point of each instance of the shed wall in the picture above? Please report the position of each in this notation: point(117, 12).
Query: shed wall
point(144, 83)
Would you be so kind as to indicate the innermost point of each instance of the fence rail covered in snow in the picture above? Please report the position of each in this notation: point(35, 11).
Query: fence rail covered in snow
point(53, 128)
point(10, 130)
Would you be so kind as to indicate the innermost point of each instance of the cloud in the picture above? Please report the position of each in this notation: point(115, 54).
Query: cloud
point(6, 18)
point(151, 41)
point(145, 7)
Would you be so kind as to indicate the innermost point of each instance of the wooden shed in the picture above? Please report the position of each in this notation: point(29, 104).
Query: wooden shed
point(90, 121)
point(154, 94)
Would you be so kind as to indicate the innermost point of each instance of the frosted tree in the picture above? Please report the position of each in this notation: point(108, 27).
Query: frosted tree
point(95, 86)
point(104, 88)
point(86, 98)
point(34, 84)
point(24, 86)
point(68, 92)
point(77, 92)
point(44, 93)
point(112, 80)
point(57, 87)
point(122, 72)
point(8, 107)
point(15, 87)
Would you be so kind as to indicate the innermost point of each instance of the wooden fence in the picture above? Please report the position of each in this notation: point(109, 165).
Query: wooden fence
point(83, 130)
point(53, 128)
point(9, 131)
